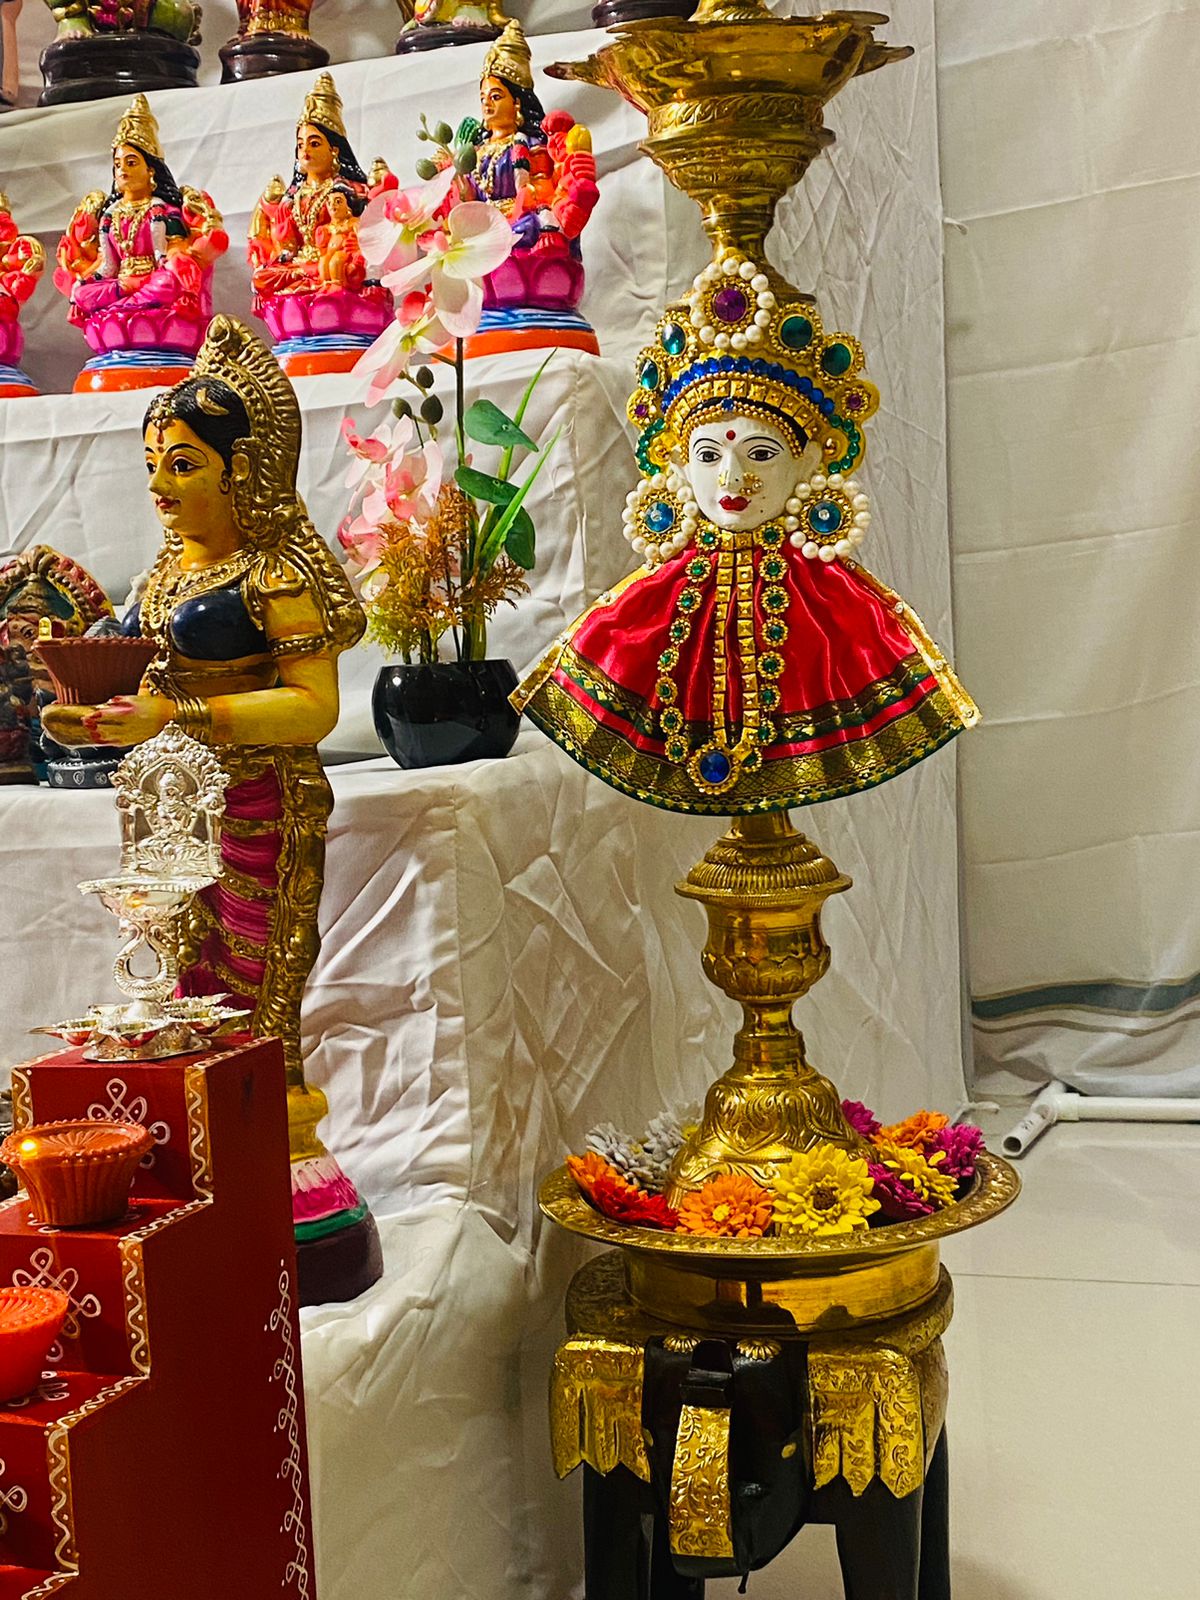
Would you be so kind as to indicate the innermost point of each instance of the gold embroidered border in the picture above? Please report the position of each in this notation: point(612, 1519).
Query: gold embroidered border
point(784, 782)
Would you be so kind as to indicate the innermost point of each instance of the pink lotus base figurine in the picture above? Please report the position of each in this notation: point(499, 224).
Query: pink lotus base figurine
point(325, 332)
point(21, 262)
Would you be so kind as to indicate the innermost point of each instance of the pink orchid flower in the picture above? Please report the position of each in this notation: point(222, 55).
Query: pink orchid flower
point(417, 330)
point(412, 486)
point(393, 223)
point(452, 263)
point(373, 452)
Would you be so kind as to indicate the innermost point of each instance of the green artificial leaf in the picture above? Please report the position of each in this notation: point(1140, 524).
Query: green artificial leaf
point(519, 543)
point(483, 486)
point(497, 537)
point(486, 423)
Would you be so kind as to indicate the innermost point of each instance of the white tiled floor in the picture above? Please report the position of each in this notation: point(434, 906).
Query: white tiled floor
point(1074, 1380)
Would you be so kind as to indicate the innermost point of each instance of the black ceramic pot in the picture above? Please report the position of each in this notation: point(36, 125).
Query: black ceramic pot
point(435, 714)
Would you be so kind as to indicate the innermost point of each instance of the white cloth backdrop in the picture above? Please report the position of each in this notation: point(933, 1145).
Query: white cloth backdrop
point(504, 962)
point(1071, 158)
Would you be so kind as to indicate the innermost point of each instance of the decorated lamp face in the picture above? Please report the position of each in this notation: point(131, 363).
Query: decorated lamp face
point(314, 152)
point(498, 107)
point(132, 177)
point(190, 483)
point(743, 471)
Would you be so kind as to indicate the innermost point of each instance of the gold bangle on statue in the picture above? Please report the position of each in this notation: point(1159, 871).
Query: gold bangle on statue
point(194, 716)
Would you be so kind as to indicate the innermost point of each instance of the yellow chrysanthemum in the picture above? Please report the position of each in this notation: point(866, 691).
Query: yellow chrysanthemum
point(923, 1174)
point(919, 1131)
point(730, 1206)
point(823, 1191)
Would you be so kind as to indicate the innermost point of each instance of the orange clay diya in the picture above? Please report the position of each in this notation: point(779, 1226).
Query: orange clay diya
point(77, 1174)
point(30, 1321)
point(87, 671)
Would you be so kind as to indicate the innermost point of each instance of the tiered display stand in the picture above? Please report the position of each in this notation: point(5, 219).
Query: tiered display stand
point(164, 1452)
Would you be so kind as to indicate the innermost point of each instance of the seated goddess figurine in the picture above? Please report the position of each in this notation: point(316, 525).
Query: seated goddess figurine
point(310, 280)
point(751, 664)
point(22, 261)
point(537, 167)
point(137, 265)
point(249, 610)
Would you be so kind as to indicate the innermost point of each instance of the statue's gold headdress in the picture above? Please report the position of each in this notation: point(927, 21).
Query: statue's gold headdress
point(139, 128)
point(324, 107)
point(509, 58)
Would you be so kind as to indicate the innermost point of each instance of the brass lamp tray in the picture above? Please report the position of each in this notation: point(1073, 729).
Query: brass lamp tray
point(789, 1284)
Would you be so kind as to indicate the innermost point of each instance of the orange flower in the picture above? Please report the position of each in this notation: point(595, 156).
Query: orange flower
point(918, 1132)
point(590, 1169)
point(731, 1206)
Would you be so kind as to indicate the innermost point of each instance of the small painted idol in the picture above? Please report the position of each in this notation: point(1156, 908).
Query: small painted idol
point(249, 612)
point(310, 280)
point(137, 265)
point(22, 261)
point(537, 167)
point(430, 24)
point(751, 663)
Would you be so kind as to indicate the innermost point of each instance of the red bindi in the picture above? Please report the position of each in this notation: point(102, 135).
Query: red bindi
point(731, 434)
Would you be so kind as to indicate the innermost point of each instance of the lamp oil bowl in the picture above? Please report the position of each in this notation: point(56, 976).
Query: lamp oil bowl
point(89, 671)
point(170, 795)
point(31, 1319)
point(77, 1174)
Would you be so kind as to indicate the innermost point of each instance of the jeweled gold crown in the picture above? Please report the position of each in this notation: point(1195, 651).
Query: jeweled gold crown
point(744, 341)
point(323, 106)
point(509, 58)
point(138, 127)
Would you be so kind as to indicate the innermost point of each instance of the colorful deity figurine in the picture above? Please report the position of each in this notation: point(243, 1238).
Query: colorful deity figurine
point(322, 313)
point(272, 37)
point(430, 24)
point(22, 261)
point(43, 594)
point(104, 48)
point(137, 265)
point(249, 611)
point(751, 663)
point(537, 167)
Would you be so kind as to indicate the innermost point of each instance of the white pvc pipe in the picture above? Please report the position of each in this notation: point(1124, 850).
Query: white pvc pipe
point(1057, 1103)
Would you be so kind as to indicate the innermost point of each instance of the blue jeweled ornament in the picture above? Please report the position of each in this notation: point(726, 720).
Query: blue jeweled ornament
point(659, 517)
point(825, 517)
point(714, 766)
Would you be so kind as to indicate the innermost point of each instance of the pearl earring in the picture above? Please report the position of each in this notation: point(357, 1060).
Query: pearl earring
point(827, 518)
point(661, 516)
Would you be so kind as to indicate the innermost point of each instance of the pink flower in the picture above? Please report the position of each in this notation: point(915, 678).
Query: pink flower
point(453, 261)
point(376, 449)
point(860, 1119)
point(961, 1146)
point(363, 546)
point(417, 330)
point(412, 485)
point(392, 224)
point(898, 1201)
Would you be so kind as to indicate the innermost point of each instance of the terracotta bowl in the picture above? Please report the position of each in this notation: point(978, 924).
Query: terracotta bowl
point(87, 672)
point(77, 1174)
point(30, 1321)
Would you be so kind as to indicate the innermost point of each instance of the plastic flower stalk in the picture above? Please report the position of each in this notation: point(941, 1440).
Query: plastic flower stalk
point(731, 1206)
point(924, 1177)
point(416, 330)
point(823, 1191)
point(861, 1118)
point(918, 1131)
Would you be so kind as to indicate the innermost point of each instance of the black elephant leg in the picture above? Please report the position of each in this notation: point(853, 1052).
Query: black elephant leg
point(935, 1527)
point(625, 1543)
point(879, 1542)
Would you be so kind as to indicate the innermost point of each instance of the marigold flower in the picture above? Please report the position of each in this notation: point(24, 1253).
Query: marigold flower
point(919, 1131)
point(731, 1206)
point(823, 1191)
point(922, 1174)
point(860, 1118)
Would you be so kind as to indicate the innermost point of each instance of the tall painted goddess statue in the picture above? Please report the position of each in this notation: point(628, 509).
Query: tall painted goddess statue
point(249, 611)
point(752, 663)
point(537, 167)
point(136, 264)
point(310, 279)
